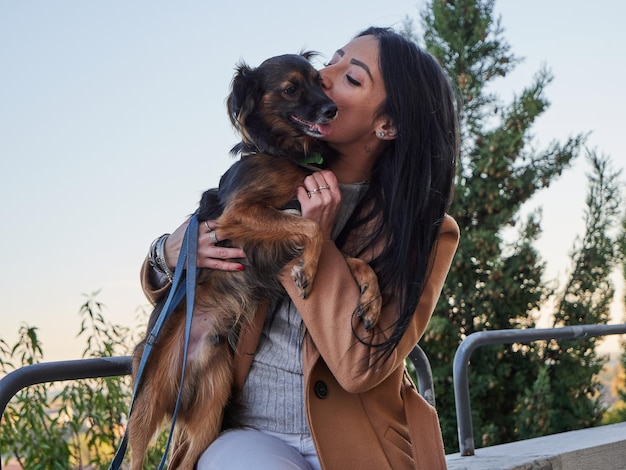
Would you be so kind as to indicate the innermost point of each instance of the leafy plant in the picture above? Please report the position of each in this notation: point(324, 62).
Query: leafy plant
point(75, 424)
point(32, 432)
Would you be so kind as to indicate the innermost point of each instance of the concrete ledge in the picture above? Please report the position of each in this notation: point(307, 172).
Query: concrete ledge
point(603, 447)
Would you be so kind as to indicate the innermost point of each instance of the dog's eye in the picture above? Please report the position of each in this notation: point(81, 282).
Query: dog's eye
point(290, 90)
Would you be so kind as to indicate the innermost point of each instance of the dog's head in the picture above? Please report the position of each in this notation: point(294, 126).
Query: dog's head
point(280, 107)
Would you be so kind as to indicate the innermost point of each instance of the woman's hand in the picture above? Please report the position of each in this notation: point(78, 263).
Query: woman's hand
point(320, 198)
point(209, 255)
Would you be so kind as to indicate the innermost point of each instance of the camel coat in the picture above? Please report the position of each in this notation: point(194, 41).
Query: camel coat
point(361, 416)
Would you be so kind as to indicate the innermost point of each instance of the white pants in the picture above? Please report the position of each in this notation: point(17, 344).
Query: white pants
point(250, 449)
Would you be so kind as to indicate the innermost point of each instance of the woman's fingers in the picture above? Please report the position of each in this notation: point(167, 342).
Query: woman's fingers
point(218, 257)
point(319, 183)
point(212, 256)
point(221, 265)
point(322, 199)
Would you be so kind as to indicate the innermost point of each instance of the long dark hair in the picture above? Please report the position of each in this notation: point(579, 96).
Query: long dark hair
point(412, 181)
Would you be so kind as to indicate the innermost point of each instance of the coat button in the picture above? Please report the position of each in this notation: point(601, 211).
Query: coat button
point(321, 389)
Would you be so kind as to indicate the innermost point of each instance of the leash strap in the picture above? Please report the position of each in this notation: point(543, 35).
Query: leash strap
point(188, 255)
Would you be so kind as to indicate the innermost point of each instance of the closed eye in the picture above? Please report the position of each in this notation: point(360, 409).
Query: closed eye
point(348, 77)
point(353, 81)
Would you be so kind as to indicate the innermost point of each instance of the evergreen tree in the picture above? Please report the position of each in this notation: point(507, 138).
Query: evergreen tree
point(619, 413)
point(493, 284)
point(571, 366)
point(622, 252)
point(536, 411)
point(586, 300)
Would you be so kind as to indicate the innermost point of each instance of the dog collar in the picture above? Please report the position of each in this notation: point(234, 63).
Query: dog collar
point(313, 159)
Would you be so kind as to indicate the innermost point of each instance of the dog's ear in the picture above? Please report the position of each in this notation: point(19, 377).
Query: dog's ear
point(211, 206)
point(309, 55)
point(242, 97)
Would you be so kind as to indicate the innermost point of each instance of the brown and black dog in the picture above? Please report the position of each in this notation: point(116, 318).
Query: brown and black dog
point(280, 110)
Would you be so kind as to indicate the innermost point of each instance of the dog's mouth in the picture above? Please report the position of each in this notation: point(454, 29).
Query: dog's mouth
point(314, 129)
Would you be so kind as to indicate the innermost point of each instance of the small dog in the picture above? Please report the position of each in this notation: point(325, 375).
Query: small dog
point(280, 110)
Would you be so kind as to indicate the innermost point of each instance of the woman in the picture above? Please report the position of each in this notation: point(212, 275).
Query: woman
point(321, 391)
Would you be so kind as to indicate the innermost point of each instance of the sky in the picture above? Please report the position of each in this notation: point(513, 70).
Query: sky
point(113, 122)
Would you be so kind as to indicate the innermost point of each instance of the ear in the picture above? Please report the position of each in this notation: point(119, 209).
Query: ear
point(241, 99)
point(309, 55)
point(386, 129)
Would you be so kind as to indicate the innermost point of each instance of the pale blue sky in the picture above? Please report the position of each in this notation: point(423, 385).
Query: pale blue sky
point(112, 123)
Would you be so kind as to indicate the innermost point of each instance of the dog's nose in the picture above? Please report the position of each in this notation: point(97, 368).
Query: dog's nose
point(329, 111)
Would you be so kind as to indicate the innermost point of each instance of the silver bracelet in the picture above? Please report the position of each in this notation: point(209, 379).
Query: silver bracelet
point(157, 257)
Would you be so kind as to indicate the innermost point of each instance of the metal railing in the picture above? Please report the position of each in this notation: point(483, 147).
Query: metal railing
point(91, 368)
point(33, 374)
point(424, 373)
point(484, 338)
point(114, 366)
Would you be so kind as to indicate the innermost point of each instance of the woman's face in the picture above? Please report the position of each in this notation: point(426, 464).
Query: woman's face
point(352, 79)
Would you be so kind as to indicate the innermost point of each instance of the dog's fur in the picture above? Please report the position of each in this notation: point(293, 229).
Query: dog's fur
point(278, 108)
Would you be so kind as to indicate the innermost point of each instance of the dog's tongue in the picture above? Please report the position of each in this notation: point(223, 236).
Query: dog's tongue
point(323, 129)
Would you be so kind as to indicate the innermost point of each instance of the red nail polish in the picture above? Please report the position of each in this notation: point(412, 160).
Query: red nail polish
point(241, 267)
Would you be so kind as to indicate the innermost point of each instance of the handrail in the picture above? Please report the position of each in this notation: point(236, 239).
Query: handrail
point(425, 382)
point(483, 338)
point(89, 368)
point(113, 366)
point(121, 365)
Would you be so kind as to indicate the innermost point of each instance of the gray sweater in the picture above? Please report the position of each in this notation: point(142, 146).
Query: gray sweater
point(274, 390)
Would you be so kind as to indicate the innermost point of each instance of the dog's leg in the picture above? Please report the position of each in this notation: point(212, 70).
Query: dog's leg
point(179, 448)
point(272, 238)
point(203, 421)
point(370, 303)
point(142, 424)
point(303, 273)
point(157, 393)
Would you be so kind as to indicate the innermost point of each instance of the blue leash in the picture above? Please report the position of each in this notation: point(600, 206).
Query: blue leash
point(188, 255)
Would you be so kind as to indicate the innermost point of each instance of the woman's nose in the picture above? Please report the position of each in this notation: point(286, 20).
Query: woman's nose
point(325, 79)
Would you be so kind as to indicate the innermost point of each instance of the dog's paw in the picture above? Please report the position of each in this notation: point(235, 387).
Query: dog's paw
point(368, 310)
point(300, 279)
point(370, 302)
